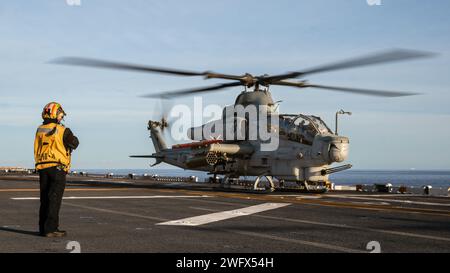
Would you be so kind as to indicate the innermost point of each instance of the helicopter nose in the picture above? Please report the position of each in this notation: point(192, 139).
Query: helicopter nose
point(338, 149)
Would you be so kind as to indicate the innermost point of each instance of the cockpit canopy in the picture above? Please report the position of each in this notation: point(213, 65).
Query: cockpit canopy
point(303, 128)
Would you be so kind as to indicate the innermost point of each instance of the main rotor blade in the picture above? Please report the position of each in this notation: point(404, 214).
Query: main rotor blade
point(360, 91)
point(78, 61)
point(369, 92)
point(395, 55)
point(166, 95)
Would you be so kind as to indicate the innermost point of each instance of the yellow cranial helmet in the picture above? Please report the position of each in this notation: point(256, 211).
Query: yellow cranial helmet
point(52, 110)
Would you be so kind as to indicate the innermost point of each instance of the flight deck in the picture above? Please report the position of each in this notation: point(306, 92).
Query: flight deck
point(123, 215)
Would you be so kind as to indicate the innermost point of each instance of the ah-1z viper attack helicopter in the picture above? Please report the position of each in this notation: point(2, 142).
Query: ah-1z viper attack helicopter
point(306, 147)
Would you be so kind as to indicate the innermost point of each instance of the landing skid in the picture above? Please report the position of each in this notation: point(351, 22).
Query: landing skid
point(266, 184)
point(305, 186)
point(262, 184)
point(257, 185)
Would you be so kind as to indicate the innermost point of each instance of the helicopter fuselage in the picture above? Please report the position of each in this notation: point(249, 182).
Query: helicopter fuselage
point(305, 146)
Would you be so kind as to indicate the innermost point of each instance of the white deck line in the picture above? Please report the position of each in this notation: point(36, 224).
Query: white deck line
point(117, 197)
point(224, 215)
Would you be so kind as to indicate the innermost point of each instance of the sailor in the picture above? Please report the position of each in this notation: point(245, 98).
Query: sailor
point(53, 146)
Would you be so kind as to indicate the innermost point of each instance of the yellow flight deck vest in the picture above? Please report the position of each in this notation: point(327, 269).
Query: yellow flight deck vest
point(49, 149)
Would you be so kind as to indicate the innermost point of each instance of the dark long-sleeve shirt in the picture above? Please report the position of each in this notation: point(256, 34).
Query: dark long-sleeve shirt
point(70, 141)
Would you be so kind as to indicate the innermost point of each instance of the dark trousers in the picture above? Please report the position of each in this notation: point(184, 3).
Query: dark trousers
point(52, 184)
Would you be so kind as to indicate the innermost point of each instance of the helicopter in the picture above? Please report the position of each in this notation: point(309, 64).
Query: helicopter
point(306, 147)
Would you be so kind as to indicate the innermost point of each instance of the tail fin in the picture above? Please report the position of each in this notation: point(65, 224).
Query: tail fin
point(157, 138)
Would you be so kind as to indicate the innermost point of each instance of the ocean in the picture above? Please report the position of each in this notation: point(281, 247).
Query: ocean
point(349, 177)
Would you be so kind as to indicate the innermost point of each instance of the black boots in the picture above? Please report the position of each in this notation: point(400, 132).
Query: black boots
point(56, 234)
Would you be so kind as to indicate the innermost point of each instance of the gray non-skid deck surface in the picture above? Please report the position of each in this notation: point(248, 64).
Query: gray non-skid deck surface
point(128, 219)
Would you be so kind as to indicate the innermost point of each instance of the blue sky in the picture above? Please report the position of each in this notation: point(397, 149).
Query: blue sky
point(231, 37)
